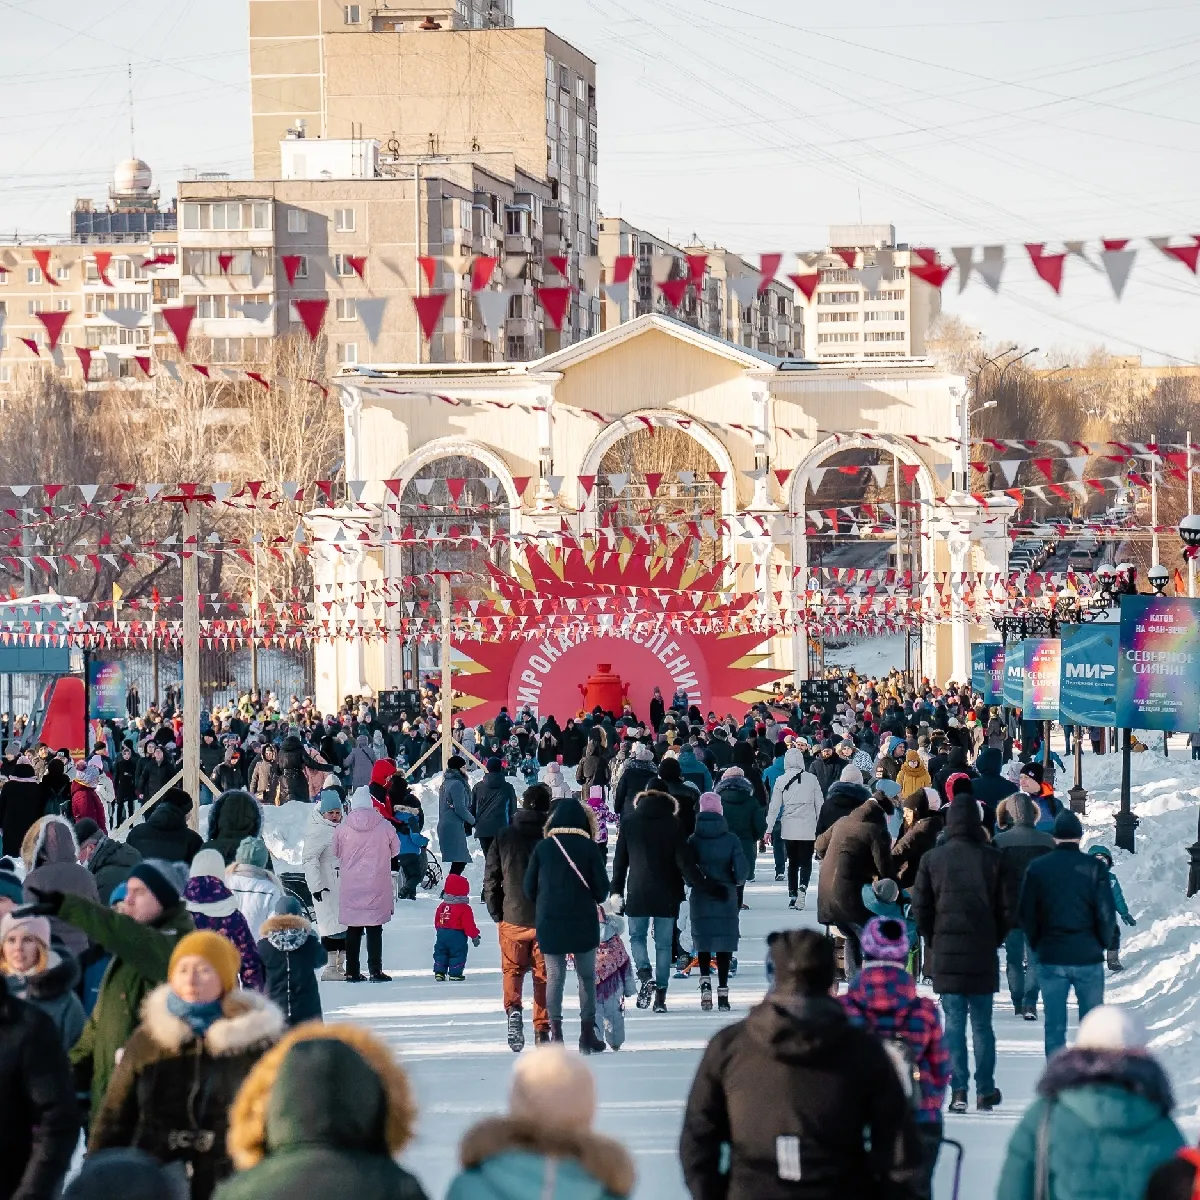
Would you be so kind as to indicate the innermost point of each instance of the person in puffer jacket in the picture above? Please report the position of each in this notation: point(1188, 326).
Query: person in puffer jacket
point(883, 998)
point(292, 954)
point(213, 906)
point(254, 886)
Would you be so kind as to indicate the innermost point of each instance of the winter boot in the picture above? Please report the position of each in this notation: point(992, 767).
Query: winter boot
point(660, 999)
point(1030, 1014)
point(335, 969)
point(1114, 960)
point(541, 1037)
point(733, 965)
point(556, 1034)
point(705, 996)
point(516, 1031)
point(380, 977)
point(801, 896)
point(589, 1043)
point(357, 977)
point(440, 976)
point(722, 999)
point(779, 876)
point(645, 987)
point(987, 1101)
point(958, 1101)
point(792, 903)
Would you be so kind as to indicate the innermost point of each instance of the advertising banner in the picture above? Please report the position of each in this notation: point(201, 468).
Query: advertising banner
point(987, 671)
point(1158, 672)
point(106, 690)
point(1014, 675)
point(1043, 657)
point(1088, 693)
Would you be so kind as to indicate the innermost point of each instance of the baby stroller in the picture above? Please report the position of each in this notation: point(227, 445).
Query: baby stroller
point(433, 872)
point(296, 886)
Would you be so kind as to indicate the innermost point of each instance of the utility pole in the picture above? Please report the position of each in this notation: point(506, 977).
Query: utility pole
point(254, 612)
point(447, 686)
point(191, 659)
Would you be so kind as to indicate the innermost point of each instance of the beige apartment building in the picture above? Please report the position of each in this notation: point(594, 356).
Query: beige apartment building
point(429, 79)
point(873, 309)
point(727, 305)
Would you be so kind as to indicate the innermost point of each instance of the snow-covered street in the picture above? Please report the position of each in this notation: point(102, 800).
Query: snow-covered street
point(452, 1036)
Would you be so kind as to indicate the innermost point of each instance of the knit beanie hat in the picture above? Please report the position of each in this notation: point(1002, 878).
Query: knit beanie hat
point(160, 884)
point(711, 802)
point(216, 950)
point(885, 939)
point(456, 885)
point(1067, 827)
point(253, 852)
point(288, 906)
point(130, 1174)
point(10, 887)
point(361, 798)
point(887, 890)
point(208, 862)
point(329, 801)
point(851, 774)
point(1111, 1027)
point(1034, 770)
point(85, 828)
point(553, 1088)
point(495, 764)
point(36, 927)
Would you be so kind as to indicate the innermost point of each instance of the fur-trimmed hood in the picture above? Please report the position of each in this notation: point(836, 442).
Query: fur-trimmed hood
point(286, 931)
point(654, 803)
point(486, 1147)
point(52, 837)
point(569, 816)
point(331, 1060)
point(249, 1020)
point(1081, 1067)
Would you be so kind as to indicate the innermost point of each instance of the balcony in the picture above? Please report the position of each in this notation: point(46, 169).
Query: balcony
point(521, 327)
point(518, 243)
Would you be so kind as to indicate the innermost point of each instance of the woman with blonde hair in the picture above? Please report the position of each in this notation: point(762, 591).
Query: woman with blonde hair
point(40, 976)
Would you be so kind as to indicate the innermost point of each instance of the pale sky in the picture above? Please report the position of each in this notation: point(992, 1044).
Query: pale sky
point(753, 123)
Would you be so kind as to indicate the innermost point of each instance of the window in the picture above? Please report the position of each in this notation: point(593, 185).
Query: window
point(3, 308)
point(579, 168)
point(255, 214)
point(245, 262)
point(33, 307)
point(33, 274)
point(302, 268)
point(341, 266)
point(551, 111)
point(580, 128)
point(343, 220)
point(884, 314)
point(128, 269)
point(581, 89)
point(3, 278)
point(347, 353)
point(898, 273)
point(5, 373)
point(62, 305)
point(164, 290)
point(550, 69)
point(297, 220)
point(351, 14)
point(837, 297)
point(837, 316)
point(347, 310)
point(514, 350)
point(551, 152)
point(885, 295)
point(837, 337)
point(564, 78)
point(888, 335)
point(62, 274)
point(837, 276)
point(209, 307)
point(519, 306)
point(564, 120)
point(64, 338)
point(516, 222)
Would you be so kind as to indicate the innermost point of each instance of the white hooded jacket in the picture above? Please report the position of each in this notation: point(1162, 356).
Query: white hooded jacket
point(797, 795)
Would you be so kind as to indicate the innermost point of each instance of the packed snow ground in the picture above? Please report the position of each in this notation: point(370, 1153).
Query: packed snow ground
point(451, 1036)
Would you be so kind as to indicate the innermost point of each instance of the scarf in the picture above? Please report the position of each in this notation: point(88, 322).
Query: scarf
point(197, 1017)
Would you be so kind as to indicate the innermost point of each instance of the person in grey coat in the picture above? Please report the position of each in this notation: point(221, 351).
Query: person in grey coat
point(360, 763)
point(454, 815)
point(713, 904)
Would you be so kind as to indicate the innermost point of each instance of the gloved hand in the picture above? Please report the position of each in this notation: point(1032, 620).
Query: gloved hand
point(1127, 919)
point(46, 904)
point(617, 903)
point(475, 941)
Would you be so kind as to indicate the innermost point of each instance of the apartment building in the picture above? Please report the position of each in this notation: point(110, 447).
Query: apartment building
point(115, 319)
point(727, 304)
point(357, 221)
point(424, 79)
point(866, 304)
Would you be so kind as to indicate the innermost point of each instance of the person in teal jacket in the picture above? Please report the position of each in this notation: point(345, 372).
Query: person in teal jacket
point(1104, 854)
point(1101, 1122)
point(544, 1147)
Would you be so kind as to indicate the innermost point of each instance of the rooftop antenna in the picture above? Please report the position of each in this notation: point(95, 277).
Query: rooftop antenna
point(129, 69)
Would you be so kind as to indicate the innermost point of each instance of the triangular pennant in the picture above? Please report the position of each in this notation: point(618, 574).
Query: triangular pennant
point(744, 287)
point(769, 266)
point(41, 256)
point(429, 311)
point(933, 273)
point(554, 483)
point(291, 265)
point(112, 363)
point(179, 321)
point(962, 257)
point(587, 482)
point(455, 487)
point(1188, 255)
point(482, 269)
point(1076, 465)
point(358, 264)
point(697, 265)
point(718, 477)
point(1117, 265)
point(871, 277)
point(102, 259)
point(1048, 266)
point(881, 474)
point(674, 290)
point(54, 322)
point(225, 261)
point(370, 312)
point(559, 262)
point(491, 306)
point(622, 269)
point(514, 265)
point(991, 267)
point(807, 283)
point(85, 361)
point(127, 318)
point(1008, 467)
point(653, 480)
point(312, 315)
point(554, 301)
point(816, 476)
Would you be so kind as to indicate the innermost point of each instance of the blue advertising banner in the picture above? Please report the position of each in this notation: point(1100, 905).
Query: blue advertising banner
point(106, 690)
point(1014, 675)
point(987, 671)
point(1088, 693)
point(1040, 686)
point(1158, 672)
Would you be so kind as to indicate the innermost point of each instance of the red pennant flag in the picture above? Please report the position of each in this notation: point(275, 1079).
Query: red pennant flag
point(768, 265)
point(926, 254)
point(1187, 255)
point(554, 300)
point(32, 345)
point(1114, 243)
point(103, 258)
point(782, 477)
point(847, 254)
point(455, 488)
point(909, 471)
point(521, 482)
point(291, 264)
point(42, 258)
point(429, 266)
point(54, 322)
point(587, 482)
point(200, 369)
point(622, 268)
point(558, 262)
point(143, 362)
point(1048, 266)
point(358, 264)
point(85, 361)
point(312, 313)
point(807, 283)
point(225, 261)
point(179, 321)
point(482, 270)
point(1045, 465)
point(653, 479)
point(718, 477)
point(429, 311)
point(933, 273)
point(697, 264)
point(264, 384)
point(673, 289)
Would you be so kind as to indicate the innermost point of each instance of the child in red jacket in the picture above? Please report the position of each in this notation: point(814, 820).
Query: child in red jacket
point(454, 922)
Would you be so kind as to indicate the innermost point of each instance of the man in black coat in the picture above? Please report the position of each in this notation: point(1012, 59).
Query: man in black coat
point(21, 804)
point(1066, 910)
point(37, 1095)
point(504, 870)
point(853, 851)
point(165, 832)
point(124, 774)
point(493, 803)
point(958, 903)
point(1019, 845)
point(635, 775)
point(841, 797)
point(686, 795)
point(809, 1105)
point(648, 869)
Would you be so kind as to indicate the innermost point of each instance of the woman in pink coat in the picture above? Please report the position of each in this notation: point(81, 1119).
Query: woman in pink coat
point(364, 845)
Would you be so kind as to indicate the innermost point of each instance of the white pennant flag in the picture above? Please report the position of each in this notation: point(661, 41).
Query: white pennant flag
point(870, 277)
point(370, 313)
point(253, 310)
point(816, 476)
point(492, 307)
point(881, 474)
point(745, 287)
point(963, 256)
point(943, 470)
point(172, 369)
point(1076, 464)
point(127, 318)
point(112, 362)
point(514, 265)
point(991, 267)
point(687, 478)
point(258, 270)
point(1117, 265)
point(1008, 467)
point(423, 486)
point(618, 483)
point(618, 293)
point(555, 482)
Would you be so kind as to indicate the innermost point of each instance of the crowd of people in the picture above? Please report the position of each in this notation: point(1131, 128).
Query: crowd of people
point(161, 989)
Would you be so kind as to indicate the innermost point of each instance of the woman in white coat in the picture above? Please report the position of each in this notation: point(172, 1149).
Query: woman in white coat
point(320, 873)
point(797, 796)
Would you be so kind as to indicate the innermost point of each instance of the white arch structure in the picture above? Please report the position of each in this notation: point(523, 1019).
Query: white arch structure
point(802, 477)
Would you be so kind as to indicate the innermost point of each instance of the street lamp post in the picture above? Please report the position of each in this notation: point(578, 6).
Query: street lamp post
point(1126, 823)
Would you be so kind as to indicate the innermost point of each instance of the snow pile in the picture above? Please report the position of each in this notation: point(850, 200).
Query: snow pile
point(872, 656)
